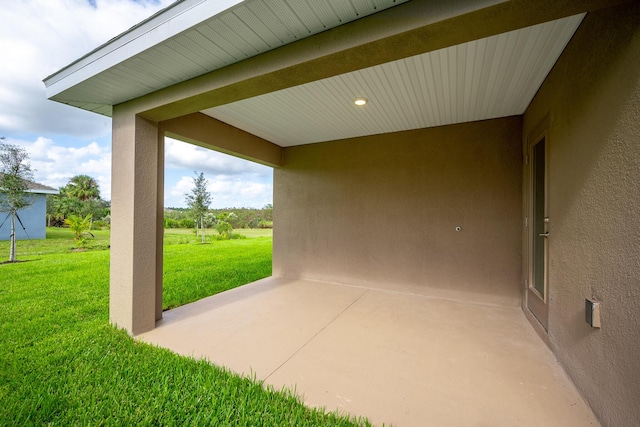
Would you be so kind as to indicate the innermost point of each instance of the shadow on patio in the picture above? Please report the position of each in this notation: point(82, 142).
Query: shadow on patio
point(392, 357)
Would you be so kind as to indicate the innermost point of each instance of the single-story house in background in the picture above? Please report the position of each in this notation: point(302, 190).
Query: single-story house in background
point(497, 155)
point(33, 217)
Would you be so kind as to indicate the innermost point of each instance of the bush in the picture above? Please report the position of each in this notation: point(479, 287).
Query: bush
point(186, 223)
point(80, 227)
point(236, 217)
point(100, 225)
point(230, 236)
point(171, 223)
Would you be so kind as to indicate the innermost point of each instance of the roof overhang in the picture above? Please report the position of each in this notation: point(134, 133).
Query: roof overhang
point(288, 70)
point(193, 37)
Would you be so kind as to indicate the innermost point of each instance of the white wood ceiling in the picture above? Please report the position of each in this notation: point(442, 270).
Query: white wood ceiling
point(191, 38)
point(488, 78)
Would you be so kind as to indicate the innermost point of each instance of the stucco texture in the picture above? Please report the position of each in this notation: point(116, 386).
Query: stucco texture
point(383, 211)
point(135, 291)
point(592, 101)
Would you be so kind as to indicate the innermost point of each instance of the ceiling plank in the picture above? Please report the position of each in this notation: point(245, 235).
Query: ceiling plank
point(484, 79)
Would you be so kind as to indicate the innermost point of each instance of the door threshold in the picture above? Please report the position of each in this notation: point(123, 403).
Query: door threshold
point(537, 326)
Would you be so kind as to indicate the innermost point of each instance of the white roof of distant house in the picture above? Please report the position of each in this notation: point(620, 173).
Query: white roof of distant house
point(34, 187)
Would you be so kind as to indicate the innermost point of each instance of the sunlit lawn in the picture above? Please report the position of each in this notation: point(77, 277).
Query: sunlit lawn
point(193, 270)
point(61, 363)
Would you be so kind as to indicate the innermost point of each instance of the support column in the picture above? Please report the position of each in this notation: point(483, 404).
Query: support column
point(159, 223)
point(135, 297)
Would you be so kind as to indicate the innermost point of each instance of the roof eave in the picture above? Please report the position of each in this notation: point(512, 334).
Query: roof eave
point(178, 17)
point(38, 191)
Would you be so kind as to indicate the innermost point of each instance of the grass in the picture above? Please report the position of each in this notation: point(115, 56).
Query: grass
point(194, 271)
point(59, 240)
point(183, 235)
point(61, 363)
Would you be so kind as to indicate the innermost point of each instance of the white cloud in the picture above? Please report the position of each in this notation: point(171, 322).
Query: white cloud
point(235, 182)
point(226, 192)
point(54, 164)
point(39, 37)
point(181, 155)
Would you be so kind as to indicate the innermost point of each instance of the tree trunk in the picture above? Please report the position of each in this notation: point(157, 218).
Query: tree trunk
point(12, 250)
point(202, 223)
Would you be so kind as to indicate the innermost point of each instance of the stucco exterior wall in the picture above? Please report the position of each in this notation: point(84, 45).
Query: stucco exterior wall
point(33, 218)
point(592, 99)
point(382, 211)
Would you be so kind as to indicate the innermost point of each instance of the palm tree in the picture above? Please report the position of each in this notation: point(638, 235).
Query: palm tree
point(83, 188)
point(81, 196)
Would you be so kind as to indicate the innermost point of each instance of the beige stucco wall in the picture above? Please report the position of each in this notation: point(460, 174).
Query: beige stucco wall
point(381, 211)
point(592, 98)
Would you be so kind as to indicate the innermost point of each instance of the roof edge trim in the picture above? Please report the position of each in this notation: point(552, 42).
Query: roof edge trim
point(42, 191)
point(166, 23)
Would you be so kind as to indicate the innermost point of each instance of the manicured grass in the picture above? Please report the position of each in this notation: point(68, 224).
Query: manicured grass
point(58, 240)
point(193, 271)
point(61, 363)
point(183, 235)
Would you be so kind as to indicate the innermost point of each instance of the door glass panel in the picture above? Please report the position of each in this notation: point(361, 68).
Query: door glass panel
point(538, 179)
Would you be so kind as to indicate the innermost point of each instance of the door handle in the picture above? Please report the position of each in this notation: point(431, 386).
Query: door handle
point(544, 234)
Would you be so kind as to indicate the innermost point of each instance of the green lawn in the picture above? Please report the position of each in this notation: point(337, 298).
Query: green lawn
point(61, 363)
point(193, 271)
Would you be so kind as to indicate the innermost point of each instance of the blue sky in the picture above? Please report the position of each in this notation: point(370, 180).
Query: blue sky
point(39, 37)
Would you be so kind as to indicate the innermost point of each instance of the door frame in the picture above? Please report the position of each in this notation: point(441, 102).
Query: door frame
point(536, 306)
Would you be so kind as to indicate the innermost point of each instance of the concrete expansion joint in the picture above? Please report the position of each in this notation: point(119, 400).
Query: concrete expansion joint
point(316, 334)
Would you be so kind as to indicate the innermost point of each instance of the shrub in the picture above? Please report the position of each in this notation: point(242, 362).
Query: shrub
point(186, 223)
point(223, 224)
point(80, 227)
point(100, 225)
point(171, 223)
point(230, 236)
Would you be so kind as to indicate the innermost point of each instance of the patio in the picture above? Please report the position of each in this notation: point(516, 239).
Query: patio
point(393, 357)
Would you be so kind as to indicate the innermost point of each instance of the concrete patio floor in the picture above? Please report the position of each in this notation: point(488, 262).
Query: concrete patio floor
point(393, 357)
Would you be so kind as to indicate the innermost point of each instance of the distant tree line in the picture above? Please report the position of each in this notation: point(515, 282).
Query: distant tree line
point(240, 218)
point(80, 199)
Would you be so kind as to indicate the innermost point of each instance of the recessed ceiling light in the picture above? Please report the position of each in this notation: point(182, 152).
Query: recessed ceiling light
point(360, 101)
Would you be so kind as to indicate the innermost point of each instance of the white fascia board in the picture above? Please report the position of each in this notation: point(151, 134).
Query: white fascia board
point(43, 191)
point(167, 23)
